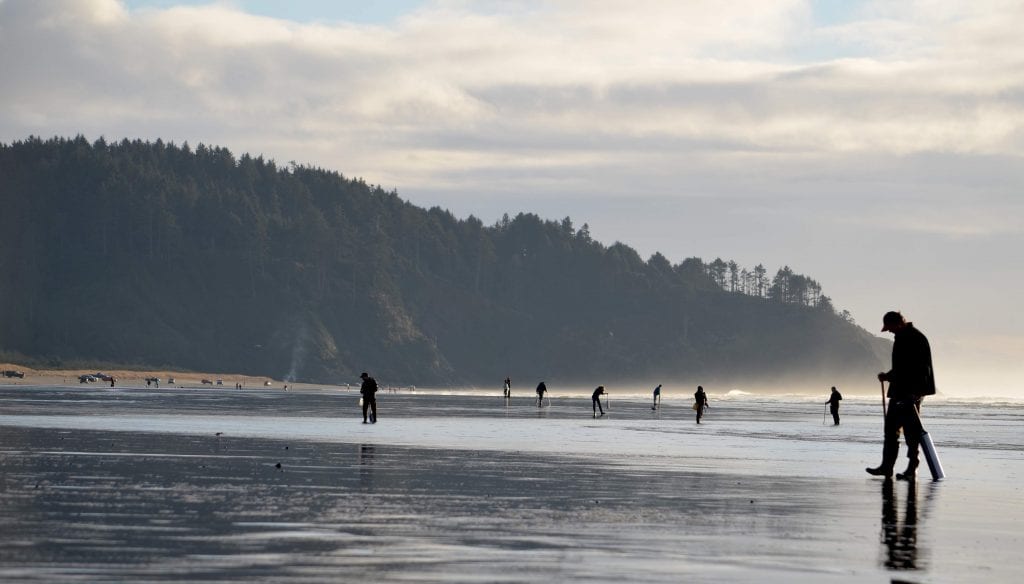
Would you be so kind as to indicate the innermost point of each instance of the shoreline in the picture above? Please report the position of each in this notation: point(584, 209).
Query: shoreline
point(192, 379)
point(133, 378)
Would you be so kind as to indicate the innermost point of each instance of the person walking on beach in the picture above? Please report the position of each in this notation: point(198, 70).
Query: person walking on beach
point(700, 402)
point(369, 391)
point(508, 387)
point(657, 397)
point(833, 405)
point(596, 399)
point(541, 390)
point(910, 379)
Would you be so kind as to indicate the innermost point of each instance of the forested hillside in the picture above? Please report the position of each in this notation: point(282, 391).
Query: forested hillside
point(141, 253)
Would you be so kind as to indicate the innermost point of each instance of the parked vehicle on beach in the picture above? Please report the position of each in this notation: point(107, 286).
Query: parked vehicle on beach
point(13, 373)
point(86, 379)
point(101, 375)
point(207, 382)
point(220, 382)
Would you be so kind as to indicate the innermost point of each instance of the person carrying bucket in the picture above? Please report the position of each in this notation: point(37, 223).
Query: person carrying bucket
point(369, 392)
point(700, 402)
point(910, 379)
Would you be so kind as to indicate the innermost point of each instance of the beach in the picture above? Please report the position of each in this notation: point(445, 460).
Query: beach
point(224, 485)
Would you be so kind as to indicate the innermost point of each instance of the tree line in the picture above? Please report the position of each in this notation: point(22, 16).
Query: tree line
point(157, 254)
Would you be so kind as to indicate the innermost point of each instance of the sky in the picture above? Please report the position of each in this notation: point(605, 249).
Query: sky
point(874, 146)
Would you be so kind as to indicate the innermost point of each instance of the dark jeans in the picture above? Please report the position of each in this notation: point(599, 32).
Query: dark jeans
point(370, 403)
point(597, 405)
point(902, 416)
point(835, 413)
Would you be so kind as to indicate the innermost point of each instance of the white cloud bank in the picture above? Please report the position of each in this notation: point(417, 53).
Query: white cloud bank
point(903, 123)
point(457, 87)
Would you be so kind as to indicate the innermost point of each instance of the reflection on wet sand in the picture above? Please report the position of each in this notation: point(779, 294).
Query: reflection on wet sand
point(366, 452)
point(901, 551)
point(236, 487)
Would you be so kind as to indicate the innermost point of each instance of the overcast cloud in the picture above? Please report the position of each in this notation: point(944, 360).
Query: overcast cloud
point(878, 151)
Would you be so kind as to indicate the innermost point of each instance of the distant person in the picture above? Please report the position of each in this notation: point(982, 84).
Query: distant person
point(369, 391)
point(910, 379)
point(833, 405)
point(657, 397)
point(595, 399)
point(508, 388)
point(700, 402)
point(541, 390)
point(111, 381)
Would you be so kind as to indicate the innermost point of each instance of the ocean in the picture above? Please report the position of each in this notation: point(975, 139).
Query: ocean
point(224, 485)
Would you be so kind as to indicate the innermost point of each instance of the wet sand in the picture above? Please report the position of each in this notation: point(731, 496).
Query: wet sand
point(136, 485)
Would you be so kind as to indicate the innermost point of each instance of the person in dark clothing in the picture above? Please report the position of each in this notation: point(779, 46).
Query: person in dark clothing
point(700, 402)
point(596, 399)
point(910, 379)
point(369, 391)
point(541, 390)
point(508, 388)
point(657, 397)
point(833, 405)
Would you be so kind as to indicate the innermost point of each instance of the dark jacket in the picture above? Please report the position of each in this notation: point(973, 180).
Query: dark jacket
point(911, 375)
point(833, 400)
point(369, 388)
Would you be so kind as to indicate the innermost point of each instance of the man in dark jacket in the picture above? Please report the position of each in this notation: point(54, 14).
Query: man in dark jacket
point(910, 379)
point(595, 400)
point(700, 402)
point(833, 404)
point(369, 391)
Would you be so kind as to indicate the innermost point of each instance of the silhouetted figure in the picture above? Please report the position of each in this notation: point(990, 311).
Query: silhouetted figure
point(541, 390)
point(833, 404)
point(369, 391)
point(910, 379)
point(508, 388)
point(700, 402)
point(657, 397)
point(900, 540)
point(595, 399)
point(111, 381)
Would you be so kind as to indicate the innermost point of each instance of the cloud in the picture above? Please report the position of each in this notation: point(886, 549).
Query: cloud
point(455, 93)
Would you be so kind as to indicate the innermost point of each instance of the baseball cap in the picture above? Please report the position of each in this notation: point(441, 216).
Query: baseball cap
point(891, 319)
